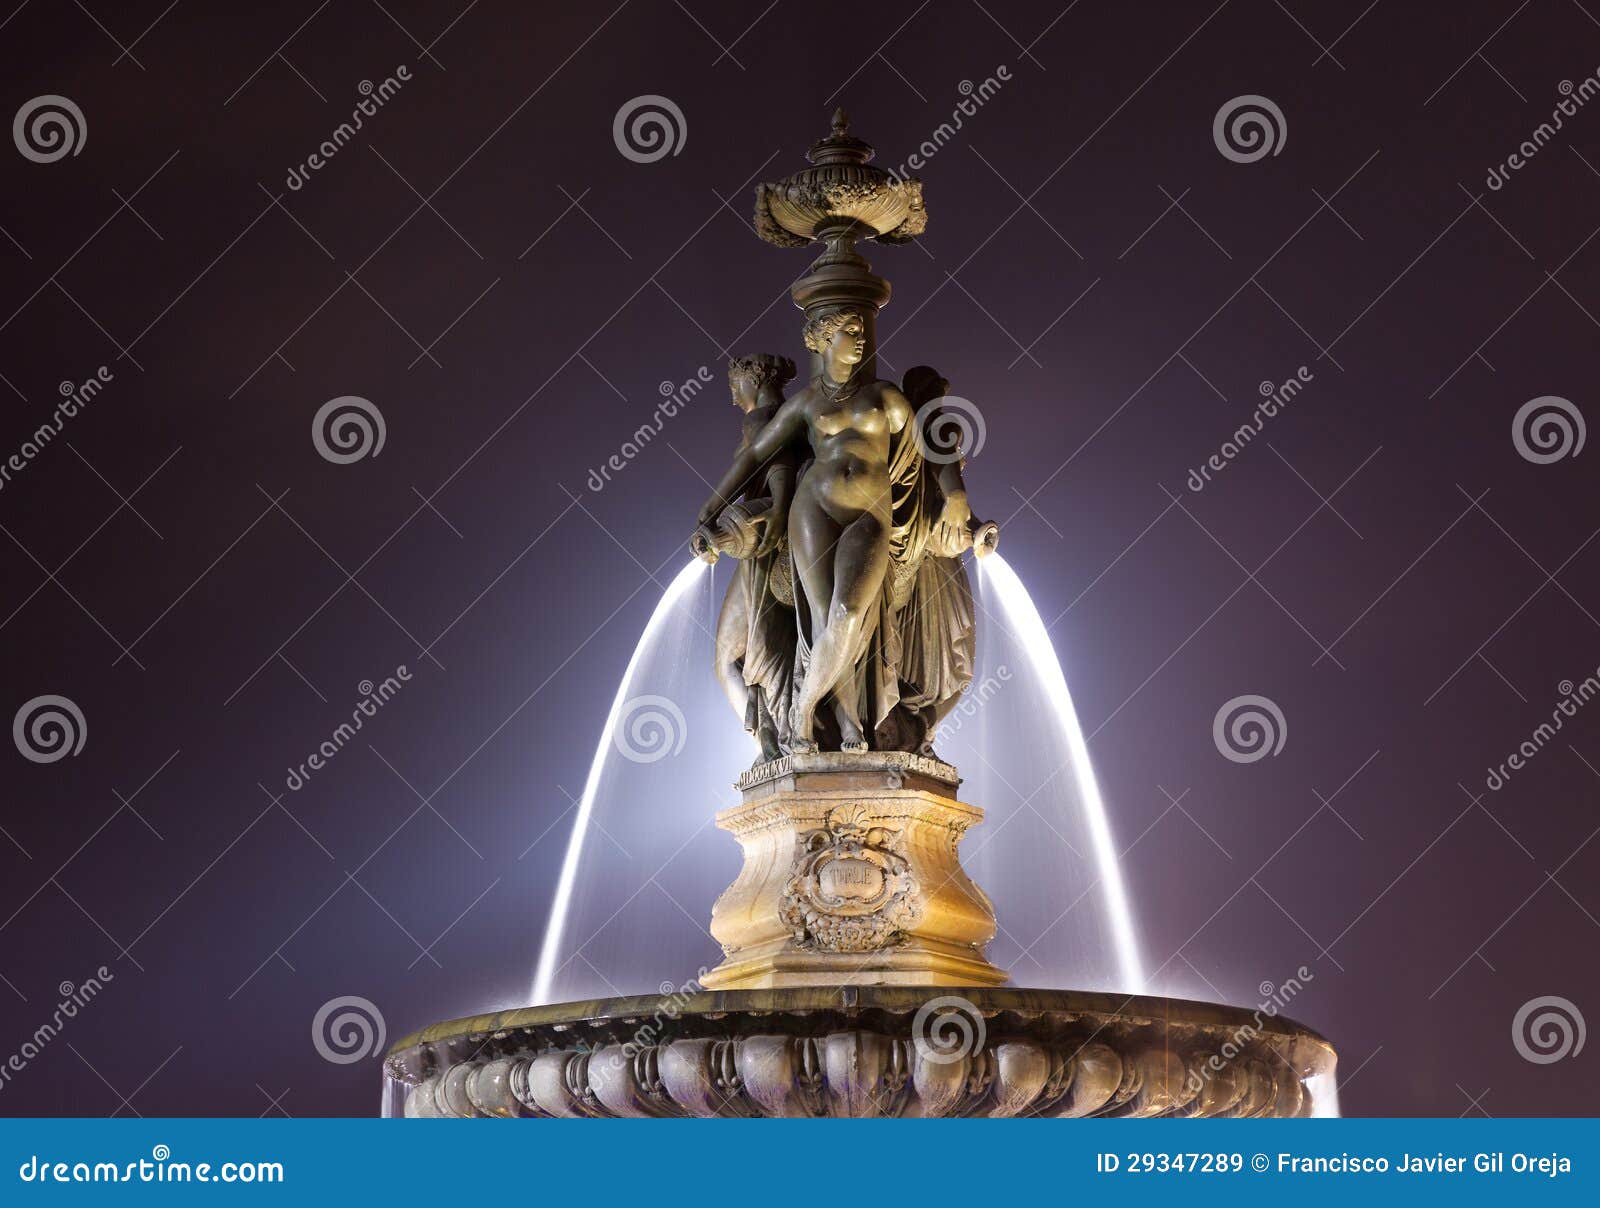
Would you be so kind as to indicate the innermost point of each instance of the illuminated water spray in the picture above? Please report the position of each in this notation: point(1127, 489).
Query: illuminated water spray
point(1018, 616)
point(1023, 619)
point(687, 578)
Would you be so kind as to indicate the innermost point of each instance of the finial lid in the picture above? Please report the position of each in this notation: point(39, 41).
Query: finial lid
point(840, 147)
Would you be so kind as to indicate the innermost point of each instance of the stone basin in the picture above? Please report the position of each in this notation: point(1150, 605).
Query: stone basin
point(864, 1051)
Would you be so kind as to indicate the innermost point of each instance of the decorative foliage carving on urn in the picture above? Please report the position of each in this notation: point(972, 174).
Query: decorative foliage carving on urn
point(841, 187)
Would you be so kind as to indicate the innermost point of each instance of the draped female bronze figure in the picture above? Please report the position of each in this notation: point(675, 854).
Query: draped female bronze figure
point(755, 631)
point(883, 609)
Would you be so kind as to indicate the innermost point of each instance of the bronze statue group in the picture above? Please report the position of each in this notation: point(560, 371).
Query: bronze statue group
point(849, 623)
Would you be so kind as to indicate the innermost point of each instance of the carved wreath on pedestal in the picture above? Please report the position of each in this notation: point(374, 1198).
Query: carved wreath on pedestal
point(852, 890)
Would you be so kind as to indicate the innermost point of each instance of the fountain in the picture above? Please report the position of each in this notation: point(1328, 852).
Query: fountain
point(656, 725)
point(856, 973)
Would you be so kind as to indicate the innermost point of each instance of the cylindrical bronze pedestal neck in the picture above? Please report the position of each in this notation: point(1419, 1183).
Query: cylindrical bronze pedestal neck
point(842, 279)
point(839, 201)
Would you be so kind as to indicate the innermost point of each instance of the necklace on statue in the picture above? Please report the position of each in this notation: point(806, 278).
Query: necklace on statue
point(840, 392)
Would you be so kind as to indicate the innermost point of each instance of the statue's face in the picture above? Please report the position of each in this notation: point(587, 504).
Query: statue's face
point(849, 343)
point(744, 391)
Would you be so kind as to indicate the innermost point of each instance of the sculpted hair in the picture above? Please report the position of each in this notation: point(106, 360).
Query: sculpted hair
point(820, 330)
point(923, 383)
point(765, 368)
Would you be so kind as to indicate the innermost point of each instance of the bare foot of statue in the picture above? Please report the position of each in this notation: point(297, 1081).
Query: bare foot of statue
point(851, 739)
point(800, 740)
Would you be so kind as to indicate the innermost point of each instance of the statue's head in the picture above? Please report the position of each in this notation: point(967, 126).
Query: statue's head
point(760, 373)
point(922, 384)
point(841, 334)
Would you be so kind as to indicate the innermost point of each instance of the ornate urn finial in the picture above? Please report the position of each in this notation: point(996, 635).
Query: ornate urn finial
point(840, 187)
point(838, 201)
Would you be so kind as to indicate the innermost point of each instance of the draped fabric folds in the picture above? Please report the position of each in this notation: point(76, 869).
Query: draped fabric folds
point(767, 663)
point(916, 652)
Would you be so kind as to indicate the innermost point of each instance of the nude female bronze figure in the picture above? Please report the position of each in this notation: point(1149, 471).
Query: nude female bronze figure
point(869, 509)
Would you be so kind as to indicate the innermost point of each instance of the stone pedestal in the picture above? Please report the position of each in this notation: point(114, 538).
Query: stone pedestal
point(851, 877)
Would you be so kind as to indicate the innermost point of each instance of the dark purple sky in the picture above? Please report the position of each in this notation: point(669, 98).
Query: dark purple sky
point(508, 289)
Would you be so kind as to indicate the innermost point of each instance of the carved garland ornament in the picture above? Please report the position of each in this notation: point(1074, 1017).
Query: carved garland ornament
point(852, 890)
